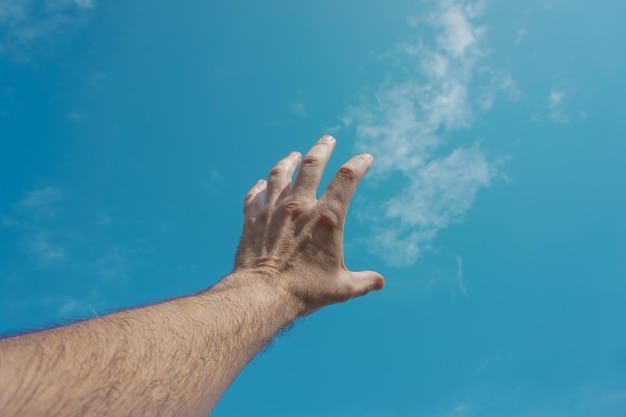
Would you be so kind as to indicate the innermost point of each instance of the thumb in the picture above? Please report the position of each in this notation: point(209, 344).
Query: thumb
point(366, 281)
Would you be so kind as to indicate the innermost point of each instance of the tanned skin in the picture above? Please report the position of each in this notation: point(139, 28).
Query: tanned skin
point(177, 358)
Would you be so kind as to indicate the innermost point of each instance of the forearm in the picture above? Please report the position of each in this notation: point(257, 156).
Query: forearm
point(174, 358)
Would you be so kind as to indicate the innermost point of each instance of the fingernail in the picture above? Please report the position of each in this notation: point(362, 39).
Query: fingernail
point(294, 154)
point(327, 139)
point(368, 156)
point(379, 284)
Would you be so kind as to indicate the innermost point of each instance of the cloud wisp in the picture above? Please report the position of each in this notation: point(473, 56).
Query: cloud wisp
point(41, 203)
point(32, 215)
point(459, 263)
point(43, 251)
point(555, 106)
point(445, 84)
point(25, 22)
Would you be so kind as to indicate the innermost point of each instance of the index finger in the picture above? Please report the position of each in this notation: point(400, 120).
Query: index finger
point(342, 187)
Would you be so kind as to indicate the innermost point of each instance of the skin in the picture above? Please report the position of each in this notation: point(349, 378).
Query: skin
point(177, 358)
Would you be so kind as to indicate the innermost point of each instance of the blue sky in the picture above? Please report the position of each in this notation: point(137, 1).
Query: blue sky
point(129, 134)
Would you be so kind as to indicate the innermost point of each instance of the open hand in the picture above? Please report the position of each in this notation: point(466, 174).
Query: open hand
point(295, 241)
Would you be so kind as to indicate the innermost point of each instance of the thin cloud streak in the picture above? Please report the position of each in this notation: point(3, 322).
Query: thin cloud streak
point(405, 124)
point(459, 264)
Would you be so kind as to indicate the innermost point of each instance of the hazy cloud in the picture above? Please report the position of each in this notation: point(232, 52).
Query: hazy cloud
point(461, 410)
point(113, 265)
point(41, 203)
point(556, 97)
point(407, 123)
point(24, 22)
point(555, 106)
point(211, 183)
point(95, 79)
point(459, 264)
point(43, 251)
point(298, 109)
point(32, 216)
point(77, 116)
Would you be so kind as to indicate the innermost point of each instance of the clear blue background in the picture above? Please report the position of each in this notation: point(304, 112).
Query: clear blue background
point(130, 132)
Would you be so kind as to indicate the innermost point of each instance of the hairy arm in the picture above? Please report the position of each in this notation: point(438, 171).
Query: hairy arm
point(170, 359)
point(178, 357)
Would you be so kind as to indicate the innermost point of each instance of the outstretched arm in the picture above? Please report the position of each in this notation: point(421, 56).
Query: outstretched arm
point(177, 358)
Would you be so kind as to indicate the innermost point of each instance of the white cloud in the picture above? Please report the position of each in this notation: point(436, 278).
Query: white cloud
point(404, 126)
point(104, 219)
point(77, 116)
point(521, 34)
point(461, 410)
point(23, 22)
point(555, 105)
point(333, 130)
point(41, 203)
point(459, 264)
point(62, 4)
point(11, 10)
point(556, 97)
point(32, 215)
point(441, 191)
point(211, 183)
point(95, 79)
point(298, 109)
point(113, 266)
point(69, 307)
point(43, 251)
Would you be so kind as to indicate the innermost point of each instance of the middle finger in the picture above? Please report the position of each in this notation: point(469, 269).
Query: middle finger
point(312, 168)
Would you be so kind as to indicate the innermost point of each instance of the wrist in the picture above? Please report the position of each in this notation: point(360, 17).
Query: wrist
point(258, 287)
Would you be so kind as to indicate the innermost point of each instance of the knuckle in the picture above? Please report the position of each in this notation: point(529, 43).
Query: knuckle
point(328, 219)
point(248, 223)
point(249, 199)
point(347, 173)
point(262, 217)
point(311, 160)
point(293, 208)
point(278, 170)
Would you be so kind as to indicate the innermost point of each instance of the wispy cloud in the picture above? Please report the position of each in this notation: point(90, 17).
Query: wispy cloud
point(40, 203)
point(407, 127)
point(298, 109)
point(556, 97)
point(555, 106)
point(460, 410)
point(24, 22)
point(96, 79)
point(43, 251)
point(459, 264)
point(113, 266)
point(212, 181)
point(77, 116)
point(32, 215)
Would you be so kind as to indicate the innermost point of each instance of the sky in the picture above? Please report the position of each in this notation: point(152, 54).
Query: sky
point(131, 131)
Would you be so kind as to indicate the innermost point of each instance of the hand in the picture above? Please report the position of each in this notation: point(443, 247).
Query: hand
point(294, 241)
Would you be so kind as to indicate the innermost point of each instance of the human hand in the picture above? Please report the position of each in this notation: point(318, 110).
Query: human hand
point(294, 241)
